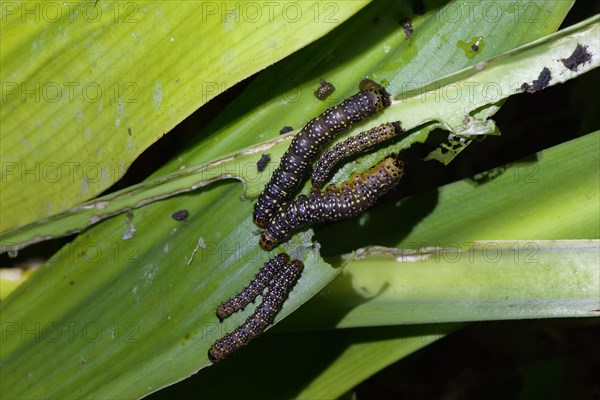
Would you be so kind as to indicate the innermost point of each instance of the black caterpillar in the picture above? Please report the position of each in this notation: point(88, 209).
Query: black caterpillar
point(254, 288)
point(263, 316)
point(309, 142)
point(356, 144)
point(351, 198)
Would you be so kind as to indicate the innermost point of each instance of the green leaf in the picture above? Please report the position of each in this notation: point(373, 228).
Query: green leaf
point(490, 280)
point(135, 315)
point(151, 299)
point(88, 86)
point(484, 85)
point(458, 279)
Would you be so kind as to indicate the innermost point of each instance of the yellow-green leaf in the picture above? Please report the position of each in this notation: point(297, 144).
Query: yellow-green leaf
point(88, 86)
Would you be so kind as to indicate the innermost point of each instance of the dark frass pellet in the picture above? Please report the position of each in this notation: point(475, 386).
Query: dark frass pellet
point(180, 215)
point(324, 90)
point(262, 163)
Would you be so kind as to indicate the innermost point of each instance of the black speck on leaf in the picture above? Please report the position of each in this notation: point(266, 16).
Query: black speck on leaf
point(408, 28)
point(579, 56)
point(538, 84)
point(285, 130)
point(180, 215)
point(262, 163)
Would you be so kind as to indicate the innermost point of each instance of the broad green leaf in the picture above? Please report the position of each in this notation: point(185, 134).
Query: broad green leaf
point(484, 85)
point(491, 280)
point(148, 301)
point(500, 279)
point(164, 297)
point(88, 86)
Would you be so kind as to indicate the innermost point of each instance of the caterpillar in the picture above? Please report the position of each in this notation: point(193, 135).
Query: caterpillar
point(254, 288)
point(308, 144)
point(324, 90)
point(354, 196)
point(356, 144)
point(263, 316)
